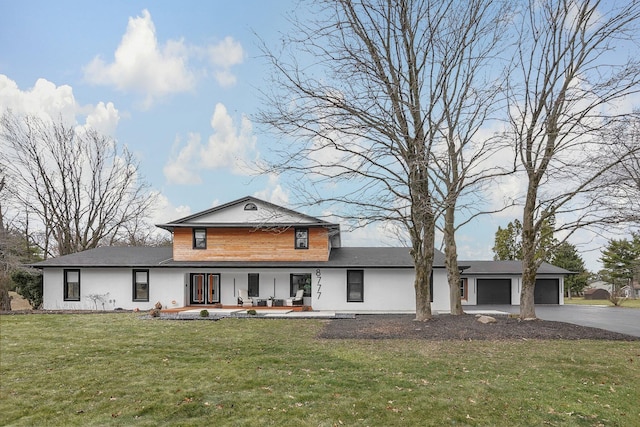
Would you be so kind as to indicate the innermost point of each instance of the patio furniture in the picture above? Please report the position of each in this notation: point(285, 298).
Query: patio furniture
point(244, 299)
point(296, 300)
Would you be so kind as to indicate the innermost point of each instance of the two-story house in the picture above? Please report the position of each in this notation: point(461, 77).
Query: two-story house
point(268, 251)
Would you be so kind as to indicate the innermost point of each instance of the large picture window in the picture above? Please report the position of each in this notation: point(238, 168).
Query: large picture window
point(141, 285)
point(199, 238)
point(71, 288)
point(300, 281)
point(254, 285)
point(355, 286)
point(302, 238)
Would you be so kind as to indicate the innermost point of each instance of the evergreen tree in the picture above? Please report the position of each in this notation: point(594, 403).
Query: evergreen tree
point(566, 256)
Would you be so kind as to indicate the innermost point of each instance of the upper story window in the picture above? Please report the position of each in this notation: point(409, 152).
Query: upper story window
point(71, 288)
point(302, 238)
point(199, 238)
point(250, 207)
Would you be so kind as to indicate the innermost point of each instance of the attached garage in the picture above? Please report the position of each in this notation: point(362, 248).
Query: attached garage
point(547, 291)
point(494, 291)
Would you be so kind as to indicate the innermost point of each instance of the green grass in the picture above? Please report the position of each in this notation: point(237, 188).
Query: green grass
point(628, 303)
point(119, 369)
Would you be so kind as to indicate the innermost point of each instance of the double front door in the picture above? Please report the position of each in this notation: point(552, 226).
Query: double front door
point(204, 288)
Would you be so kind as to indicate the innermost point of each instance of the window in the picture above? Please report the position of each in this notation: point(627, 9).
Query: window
point(200, 238)
point(355, 286)
point(250, 207)
point(300, 281)
point(71, 285)
point(463, 288)
point(302, 238)
point(254, 285)
point(141, 285)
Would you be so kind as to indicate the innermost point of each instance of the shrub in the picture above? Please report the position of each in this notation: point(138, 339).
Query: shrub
point(154, 312)
point(29, 285)
point(204, 313)
point(252, 312)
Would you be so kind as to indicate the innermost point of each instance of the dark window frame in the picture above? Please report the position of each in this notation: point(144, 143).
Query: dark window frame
point(464, 288)
point(66, 283)
point(301, 242)
point(135, 296)
point(350, 284)
point(196, 239)
point(253, 293)
point(307, 287)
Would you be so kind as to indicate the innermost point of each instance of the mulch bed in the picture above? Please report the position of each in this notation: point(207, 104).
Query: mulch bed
point(446, 327)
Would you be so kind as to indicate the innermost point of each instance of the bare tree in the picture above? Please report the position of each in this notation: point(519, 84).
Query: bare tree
point(83, 189)
point(467, 77)
point(368, 96)
point(620, 193)
point(565, 80)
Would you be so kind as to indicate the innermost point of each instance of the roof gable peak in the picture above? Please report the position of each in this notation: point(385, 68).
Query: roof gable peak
point(247, 211)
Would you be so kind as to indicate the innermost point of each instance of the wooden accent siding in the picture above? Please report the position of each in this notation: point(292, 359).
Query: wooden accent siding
point(249, 244)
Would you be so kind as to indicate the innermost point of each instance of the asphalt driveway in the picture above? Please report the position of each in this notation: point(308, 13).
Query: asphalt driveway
point(616, 319)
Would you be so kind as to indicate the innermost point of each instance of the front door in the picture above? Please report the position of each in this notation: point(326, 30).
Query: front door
point(205, 288)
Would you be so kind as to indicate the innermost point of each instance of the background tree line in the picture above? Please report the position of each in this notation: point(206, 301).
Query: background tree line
point(64, 189)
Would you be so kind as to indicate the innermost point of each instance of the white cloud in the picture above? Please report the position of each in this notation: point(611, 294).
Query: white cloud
point(51, 102)
point(230, 146)
point(164, 211)
point(274, 192)
point(222, 57)
point(180, 169)
point(142, 64)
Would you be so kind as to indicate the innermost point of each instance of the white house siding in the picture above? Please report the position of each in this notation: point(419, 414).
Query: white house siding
point(385, 291)
point(115, 286)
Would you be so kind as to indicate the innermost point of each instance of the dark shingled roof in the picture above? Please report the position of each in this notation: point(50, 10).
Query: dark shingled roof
point(371, 257)
point(505, 267)
point(112, 256)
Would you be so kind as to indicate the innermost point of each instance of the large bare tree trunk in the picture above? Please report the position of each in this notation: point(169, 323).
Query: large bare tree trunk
point(529, 262)
point(451, 263)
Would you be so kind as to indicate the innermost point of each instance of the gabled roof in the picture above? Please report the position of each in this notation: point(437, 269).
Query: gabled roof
point(248, 212)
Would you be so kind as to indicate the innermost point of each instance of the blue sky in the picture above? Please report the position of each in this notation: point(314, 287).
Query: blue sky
point(177, 83)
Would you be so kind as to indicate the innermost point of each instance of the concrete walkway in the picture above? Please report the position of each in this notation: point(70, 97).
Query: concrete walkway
point(242, 312)
point(616, 319)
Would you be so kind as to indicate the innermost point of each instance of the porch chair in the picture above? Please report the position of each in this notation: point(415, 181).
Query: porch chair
point(297, 300)
point(244, 299)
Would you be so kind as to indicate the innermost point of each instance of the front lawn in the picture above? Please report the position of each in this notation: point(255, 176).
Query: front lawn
point(120, 369)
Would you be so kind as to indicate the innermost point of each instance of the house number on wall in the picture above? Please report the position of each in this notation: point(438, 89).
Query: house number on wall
point(319, 276)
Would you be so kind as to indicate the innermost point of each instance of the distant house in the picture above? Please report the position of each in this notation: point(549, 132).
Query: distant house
point(626, 291)
point(266, 250)
point(600, 284)
point(596, 293)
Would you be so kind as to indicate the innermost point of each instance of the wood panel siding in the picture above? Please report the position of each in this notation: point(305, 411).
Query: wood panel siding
point(250, 244)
